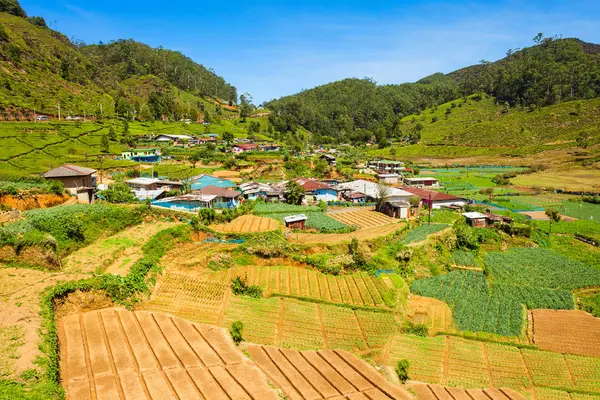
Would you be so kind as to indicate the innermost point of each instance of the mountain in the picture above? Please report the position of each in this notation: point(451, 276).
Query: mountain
point(552, 72)
point(41, 67)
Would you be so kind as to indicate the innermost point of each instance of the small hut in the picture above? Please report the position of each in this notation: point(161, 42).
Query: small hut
point(295, 221)
point(475, 219)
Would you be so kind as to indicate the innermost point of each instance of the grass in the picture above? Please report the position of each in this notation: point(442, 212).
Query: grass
point(575, 180)
point(11, 338)
point(422, 232)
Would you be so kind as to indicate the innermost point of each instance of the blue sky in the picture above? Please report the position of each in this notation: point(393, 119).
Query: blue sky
point(275, 48)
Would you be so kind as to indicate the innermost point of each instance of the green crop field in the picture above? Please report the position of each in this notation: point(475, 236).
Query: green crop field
point(496, 308)
point(541, 268)
point(317, 219)
point(422, 232)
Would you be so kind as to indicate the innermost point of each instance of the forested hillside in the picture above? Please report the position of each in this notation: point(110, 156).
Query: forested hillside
point(41, 67)
point(358, 110)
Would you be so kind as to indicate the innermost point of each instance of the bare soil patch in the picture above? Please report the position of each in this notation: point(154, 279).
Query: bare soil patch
point(117, 253)
point(114, 353)
point(435, 313)
point(248, 224)
point(439, 392)
point(566, 331)
point(323, 374)
point(20, 291)
point(81, 301)
point(29, 202)
point(363, 218)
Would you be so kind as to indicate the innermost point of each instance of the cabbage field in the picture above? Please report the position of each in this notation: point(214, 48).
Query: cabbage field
point(317, 219)
point(422, 232)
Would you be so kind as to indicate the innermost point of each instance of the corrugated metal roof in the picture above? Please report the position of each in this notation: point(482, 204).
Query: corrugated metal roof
point(295, 218)
point(68, 170)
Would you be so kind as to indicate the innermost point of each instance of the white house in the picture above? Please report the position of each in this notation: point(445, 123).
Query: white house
point(172, 138)
point(371, 190)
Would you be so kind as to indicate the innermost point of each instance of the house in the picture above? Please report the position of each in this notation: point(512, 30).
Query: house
point(206, 140)
point(396, 209)
point(224, 198)
point(391, 178)
point(354, 197)
point(80, 181)
point(329, 159)
point(435, 199)
point(371, 190)
point(422, 182)
point(245, 147)
point(389, 166)
point(187, 202)
point(170, 185)
point(270, 147)
point(475, 219)
point(199, 182)
point(254, 190)
point(295, 221)
point(141, 155)
point(163, 138)
point(142, 183)
point(143, 195)
point(317, 191)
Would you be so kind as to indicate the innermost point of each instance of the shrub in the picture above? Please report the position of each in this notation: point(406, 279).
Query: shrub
point(236, 330)
point(402, 370)
point(118, 193)
point(57, 187)
point(466, 238)
point(239, 286)
point(419, 329)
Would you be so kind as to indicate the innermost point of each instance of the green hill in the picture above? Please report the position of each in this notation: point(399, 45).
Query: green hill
point(41, 67)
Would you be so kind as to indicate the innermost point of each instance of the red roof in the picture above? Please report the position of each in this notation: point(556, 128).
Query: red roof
point(217, 191)
point(246, 146)
point(435, 196)
point(311, 185)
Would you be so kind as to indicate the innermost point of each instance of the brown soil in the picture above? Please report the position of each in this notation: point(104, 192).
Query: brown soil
point(438, 392)
point(29, 202)
point(566, 331)
point(436, 314)
point(31, 255)
point(114, 353)
point(20, 291)
point(323, 374)
point(248, 224)
point(81, 301)
point(117, 253)
point(363, 218)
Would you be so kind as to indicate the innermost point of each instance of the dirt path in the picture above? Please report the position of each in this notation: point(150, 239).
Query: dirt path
point(20, 291)
point(334, 238)
point(115, 254)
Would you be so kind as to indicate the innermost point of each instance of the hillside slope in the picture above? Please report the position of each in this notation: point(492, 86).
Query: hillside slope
point(41, 68)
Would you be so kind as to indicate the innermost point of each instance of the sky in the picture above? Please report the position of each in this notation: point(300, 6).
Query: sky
point(276, 48)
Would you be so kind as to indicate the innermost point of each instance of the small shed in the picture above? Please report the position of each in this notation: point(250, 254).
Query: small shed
point(388, 178)
point(395, 209)
point(142, 183)
point(73, 177)
point(295, 221)
point(476, 219)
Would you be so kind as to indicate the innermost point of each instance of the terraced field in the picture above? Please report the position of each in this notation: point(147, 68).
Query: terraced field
point(358, 289)
point(566, 331)
point(363, 218)
point(430, 311)
point(323, 374)
point(473, 364)
point(114, 353)
point(272, 321)
point(334, 238)
point(438, 392)
point(248, 224)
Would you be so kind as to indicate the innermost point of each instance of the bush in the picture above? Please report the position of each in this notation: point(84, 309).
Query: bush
point(240, 287)
point(57, 187)
point(419, 329)
point(118, 193)
point(236, 330)
point(466, 238)
point(402, 370)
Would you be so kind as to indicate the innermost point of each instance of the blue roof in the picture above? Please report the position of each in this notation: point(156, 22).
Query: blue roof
point(208, 180)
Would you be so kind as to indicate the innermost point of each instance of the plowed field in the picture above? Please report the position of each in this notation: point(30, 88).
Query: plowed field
point(363, 218)
point(438, 392)
point(566, 331)
point(113, 353)
point(248, 224)
point(466, 363)
point(323, 374)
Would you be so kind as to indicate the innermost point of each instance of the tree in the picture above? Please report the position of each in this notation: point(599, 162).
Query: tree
point(245, 106)
point(321, 167)
point(195, 158)
point(294, 193)
point(12, 7)
point(145, 114)
point(118, 193)
point(358, 258)
point(402, 370)
point(112, 135)
point(228, 137)
point(236, 330)
point(104, 145)
point(583, 140)
point(383, 192)
point(553, 216)
point(122, 107)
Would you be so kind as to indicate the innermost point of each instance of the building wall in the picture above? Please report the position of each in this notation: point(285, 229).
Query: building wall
point(439, 204)
point(297, 225)
point(74, 182)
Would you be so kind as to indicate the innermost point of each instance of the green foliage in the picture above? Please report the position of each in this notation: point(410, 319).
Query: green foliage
point(294, 193)
point(402, 370)
point(539, 267)
point(240, 287)
point(422, 232)
point(358, 257)
point(464, 258)
point(12, 7)
point(118, 193)
point(236, 331)
point(419, 329)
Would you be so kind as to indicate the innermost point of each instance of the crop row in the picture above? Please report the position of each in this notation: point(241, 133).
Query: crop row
point(422, 232)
